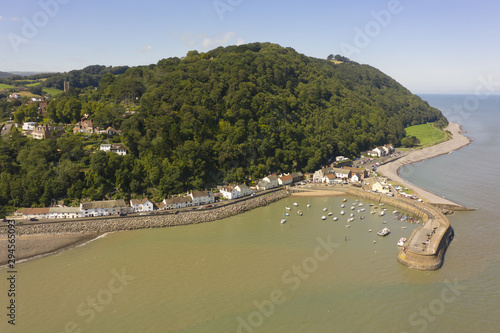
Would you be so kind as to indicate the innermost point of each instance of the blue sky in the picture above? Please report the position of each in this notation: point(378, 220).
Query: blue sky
point(429, 46)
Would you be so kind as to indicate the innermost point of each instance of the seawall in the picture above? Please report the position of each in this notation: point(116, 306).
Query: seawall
point(426, 247)
point(99, 226)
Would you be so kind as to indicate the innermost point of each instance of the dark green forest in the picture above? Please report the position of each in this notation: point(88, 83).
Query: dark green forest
point(233, 114)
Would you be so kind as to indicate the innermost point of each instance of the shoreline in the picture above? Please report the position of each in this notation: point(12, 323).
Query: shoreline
point(44, 239)
point(32, 246)
point(35, 241)
point(392, 169)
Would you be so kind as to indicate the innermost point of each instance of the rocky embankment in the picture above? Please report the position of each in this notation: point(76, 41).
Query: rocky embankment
point(100, 226)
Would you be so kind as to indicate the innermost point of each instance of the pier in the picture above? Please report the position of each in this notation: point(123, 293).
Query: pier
point(426, 247)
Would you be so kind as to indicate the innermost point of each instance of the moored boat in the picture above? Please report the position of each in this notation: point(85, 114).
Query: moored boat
point(401, 241)
point(384, 232)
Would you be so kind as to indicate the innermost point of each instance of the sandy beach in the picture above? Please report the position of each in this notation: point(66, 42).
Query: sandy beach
point(28, 246)
point(391, 169)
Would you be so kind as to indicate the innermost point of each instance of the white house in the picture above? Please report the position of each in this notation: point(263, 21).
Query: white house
point(379, 152)
point(119, 149)
point(105, 147)
point(115, 148)
point(272, 180)
point(343, 174)
point(234, 192)
point(263, 185)
point(29, 126)
point(285, 180)
point(177, 202)
point(142, 205)
point(104, 208)
point(65, 212)
point(329, 179)
point(229, 192)
point(37, 213)
point(243, 190)
point(201, 197)
point(356, 177)
point(341, 159)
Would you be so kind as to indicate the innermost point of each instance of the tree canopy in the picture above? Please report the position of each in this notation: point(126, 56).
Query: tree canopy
point(232, 114)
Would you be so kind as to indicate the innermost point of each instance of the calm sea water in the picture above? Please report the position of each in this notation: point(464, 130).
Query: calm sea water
point(249, 273)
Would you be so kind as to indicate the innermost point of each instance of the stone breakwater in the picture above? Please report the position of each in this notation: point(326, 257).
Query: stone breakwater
point(99, 226)
point(426, 247)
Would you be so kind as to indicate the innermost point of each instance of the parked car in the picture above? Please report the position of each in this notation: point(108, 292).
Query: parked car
point(33, 219)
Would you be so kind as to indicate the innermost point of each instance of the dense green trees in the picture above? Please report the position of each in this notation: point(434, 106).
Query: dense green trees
point(231, 114)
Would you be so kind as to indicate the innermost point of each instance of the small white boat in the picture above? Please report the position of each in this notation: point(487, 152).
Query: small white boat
point(325, 209)
point(352, 208)
point(374, 242)
point(348, 226)
point(350, 219)
point(308, 205)
point(286, 214)
point(342, 212)
point(369, 230)
point(371, 204)
point(372, 212)
point(287, 208)
point(361, 217)
point(403, 227)
point(360, 205)
point(283, 221)
point(382, 213)
point(395, 212)
point(323, 217)
point(295, 204)
point(352, 215)
point(330, 213)
point(342, 206)
point(384, 232)
point(401, 241)
point(299, 212)
point(361, 210)
point(335, 218)
point(344, 200)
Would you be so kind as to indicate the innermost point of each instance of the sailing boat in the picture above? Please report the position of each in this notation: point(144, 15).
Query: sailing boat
point(308, 204)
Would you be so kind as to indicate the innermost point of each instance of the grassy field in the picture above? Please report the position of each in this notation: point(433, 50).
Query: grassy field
point(428, 134)
point(5, 86)
point(52, 91)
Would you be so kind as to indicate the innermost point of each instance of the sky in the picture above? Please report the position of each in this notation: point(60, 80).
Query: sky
point(429, 46)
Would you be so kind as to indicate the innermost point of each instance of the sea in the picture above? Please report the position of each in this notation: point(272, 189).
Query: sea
point(250, 273)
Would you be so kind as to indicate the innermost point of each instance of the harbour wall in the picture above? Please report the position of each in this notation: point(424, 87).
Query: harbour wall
point(429, 214)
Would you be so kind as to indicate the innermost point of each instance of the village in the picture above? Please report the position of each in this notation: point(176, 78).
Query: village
point(339, 173)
